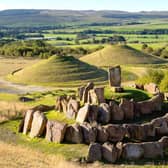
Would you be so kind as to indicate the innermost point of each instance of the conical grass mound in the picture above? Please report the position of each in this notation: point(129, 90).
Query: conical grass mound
point(59, 71)
point(119, 54)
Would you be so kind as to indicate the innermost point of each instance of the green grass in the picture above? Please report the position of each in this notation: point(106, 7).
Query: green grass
point(119, 54)
point(59, 70)
point(8, 97)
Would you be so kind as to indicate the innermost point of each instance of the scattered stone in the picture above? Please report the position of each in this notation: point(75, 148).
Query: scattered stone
point(132, 151)
point(94, 153)
point(117, 114)
point(74, 134)
point(89, 133)
point(138, 86)
point(151, 88)
point(109, 152)
point(72, 108)
point(83, 113)
point(38, 124)
point(127, 107)
point(55, 131)
point(152, 150)
point(104, 115)
point(28, 121)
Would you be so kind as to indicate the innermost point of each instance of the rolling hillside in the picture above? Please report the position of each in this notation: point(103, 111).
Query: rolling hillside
point(59, 71)
point(119, 54)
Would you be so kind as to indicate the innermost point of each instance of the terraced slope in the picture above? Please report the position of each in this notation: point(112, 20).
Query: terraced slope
point(120, 54)
point(59, 71)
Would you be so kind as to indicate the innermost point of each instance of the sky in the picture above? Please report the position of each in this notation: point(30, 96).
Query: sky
point(125, 5)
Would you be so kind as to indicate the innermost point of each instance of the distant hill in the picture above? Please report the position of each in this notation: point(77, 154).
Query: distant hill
point(59, 71)
point(119, 54)
point(28, 18)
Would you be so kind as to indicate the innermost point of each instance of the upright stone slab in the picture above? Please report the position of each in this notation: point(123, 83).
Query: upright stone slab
point(86, 91)
point(72, 108)
point(151, 88)
point(83, 113)
point(114, 75)
point(61, 104)
point(55, 131)
point(80, 92)
point(38, 124)
point(28, 121)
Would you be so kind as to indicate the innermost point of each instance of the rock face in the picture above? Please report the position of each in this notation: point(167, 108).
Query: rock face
point(83, 113)
point(28, 121)
point(115, 76)
point(38, 124)
point(89, 133)
point(104, 114)
point(86, 91)
point(72, 108)
point(74, 134)
point(127, 107)
point(96, 96)
point(55, 131)
point(116, 133)
point(151, 88)
point(152, 150)
point(109, 152)
point(94, 153)
point(117, 114)
point(132, 151)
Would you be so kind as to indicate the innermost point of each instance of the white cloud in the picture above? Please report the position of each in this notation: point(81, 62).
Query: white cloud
point(3, 6)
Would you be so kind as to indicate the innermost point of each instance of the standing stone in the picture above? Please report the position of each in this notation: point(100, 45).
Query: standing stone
point(55, 131)
point(149, 130)
point(86, 91)
point(61, 104)
point(164, 142)
point(116, 132)
point(132, 151)
point(83, 113)
point(89, 133)
point(28, 121)
point(21, 125)
point(109, 152)
point(96, 96)
point(80, 92)
point(127, 107)
point(72, 108)
point(102, 135)
point(117, 114)
point(152, 150)
point(104, 114)
point(115, 76)
point(163, 129)
point(38, 124)
point(74, 134)
point(94, 153)
point(93, 113)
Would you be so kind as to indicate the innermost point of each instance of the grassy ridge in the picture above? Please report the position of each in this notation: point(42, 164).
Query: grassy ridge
point(57, 70)
point(119, 54)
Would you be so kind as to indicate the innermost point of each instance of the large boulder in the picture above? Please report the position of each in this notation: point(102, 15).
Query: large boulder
point(102, 135)
point(74, 134)
point(104, 114)
point(96, 96)
point(152, 150)
point(38, 124)
point(132, 151)
point(93, 113)
point(116, 133)
point(164, 142)
point(117, 114)
point(55, 131)
point(151, 88)
point(89, 133)
point(127, 107)
point(109, 152)
point(149, 131)
point(86, 91)
point(72, 108)
point(83, 113)
point(28, 121)
point(94, 153)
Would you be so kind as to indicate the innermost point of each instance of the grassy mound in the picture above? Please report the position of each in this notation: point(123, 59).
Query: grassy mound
point(120, 54)
point(59, 71)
